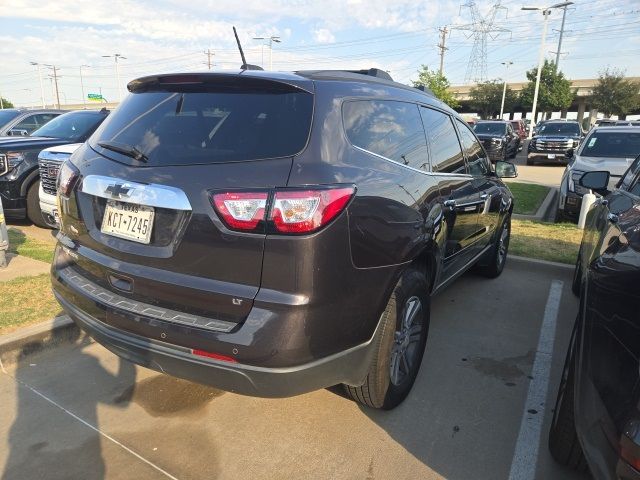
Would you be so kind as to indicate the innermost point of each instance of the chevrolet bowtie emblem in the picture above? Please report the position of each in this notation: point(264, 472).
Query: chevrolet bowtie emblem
point(118, 190)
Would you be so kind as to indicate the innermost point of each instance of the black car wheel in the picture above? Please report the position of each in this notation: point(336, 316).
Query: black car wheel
point(399, 345)
point(33, 206)
point(498, 254)
point(563, 439)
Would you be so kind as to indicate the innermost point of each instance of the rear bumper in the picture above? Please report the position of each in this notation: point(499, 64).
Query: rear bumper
point(556, 157)
point(345, 367)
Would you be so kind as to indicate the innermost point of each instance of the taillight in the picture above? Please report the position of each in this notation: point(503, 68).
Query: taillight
point(241, 210)
point(215, 356)
point(305, 211)
point(67, 178)
point(289, 211)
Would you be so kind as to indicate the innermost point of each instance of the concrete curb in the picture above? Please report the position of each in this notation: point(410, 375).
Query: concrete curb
point(537, 261)
point(26, 341)
point(543, 212)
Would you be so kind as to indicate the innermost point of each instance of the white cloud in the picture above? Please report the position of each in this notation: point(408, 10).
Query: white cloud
point(323, 35)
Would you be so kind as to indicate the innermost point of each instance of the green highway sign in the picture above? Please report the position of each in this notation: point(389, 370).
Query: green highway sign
point(96, 97)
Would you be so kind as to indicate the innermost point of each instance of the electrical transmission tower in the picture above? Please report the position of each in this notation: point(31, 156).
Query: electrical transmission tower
point(480, 27)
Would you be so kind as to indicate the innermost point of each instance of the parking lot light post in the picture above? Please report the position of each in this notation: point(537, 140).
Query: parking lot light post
point(546, 11)
point(504, 88)
point(84, 100)
point(117, 57)
point(36, 64)
point(271, 39)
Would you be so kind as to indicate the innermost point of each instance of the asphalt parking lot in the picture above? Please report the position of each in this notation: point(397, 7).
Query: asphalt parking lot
point(480, 408)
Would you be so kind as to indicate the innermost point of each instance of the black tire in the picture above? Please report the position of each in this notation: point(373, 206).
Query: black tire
point(379, 389)
point(576, 284)
point(559, 217)
point(498, 254)
point(33, 206)
point(564, 445)
point(530, 162)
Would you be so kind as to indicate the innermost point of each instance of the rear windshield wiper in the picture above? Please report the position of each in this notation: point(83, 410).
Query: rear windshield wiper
point(124, 149)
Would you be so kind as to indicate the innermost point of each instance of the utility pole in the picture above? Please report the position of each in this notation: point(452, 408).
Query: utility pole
point(209, 54)
point(546, 11)
point(504, 88)
point(442, 47)
point(41, 85)
point(55, 77)
point(564, 15)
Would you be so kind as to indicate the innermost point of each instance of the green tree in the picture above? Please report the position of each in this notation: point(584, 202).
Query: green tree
point(555, 90)
point(486, 98)
point(6, 103)
point(614, 95)
point(438, 84)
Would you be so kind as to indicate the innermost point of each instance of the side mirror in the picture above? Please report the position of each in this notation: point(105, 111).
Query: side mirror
point(17, 132)
point(569, 153)
point(597, 181)
point(506, 169)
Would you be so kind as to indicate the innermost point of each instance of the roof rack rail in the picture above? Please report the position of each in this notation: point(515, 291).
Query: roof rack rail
point(372, 72)
point(425, 90)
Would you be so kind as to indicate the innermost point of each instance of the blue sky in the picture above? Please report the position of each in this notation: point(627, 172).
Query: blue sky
point(395, 35)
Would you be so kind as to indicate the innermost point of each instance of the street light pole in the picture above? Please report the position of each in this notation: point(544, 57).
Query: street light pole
point(504, 88)
point(84, 100)
point(41, 85)
point(546, 11)
point(117, 56)
point(271, 39)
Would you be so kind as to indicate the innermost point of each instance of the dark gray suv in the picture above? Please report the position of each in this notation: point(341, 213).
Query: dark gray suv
point(275, 233)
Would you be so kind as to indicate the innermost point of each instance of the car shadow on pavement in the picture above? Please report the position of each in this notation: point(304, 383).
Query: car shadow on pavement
point(46, 441)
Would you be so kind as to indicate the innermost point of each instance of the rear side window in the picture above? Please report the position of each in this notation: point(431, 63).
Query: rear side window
point(631, 179)
point(186, 128)
point(475, 154)
point(446, 154)
point(387, 128)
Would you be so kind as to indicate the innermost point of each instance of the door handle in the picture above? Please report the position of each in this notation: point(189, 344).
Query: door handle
point(612, 217)
point(450, 203)
point(484, 196)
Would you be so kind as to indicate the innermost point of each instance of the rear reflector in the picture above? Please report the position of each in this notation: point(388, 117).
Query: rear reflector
point(215, 356)
point(241, 210)
point(307, 210)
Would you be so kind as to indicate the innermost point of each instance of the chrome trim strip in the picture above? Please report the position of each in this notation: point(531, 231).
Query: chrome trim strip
point(424, 172)
point(6, 165)
point(113, 300)
point(53, 156)
point(151, 195)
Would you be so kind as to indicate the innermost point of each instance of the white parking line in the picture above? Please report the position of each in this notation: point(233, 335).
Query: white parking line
point(523, 465)
point(92, 427)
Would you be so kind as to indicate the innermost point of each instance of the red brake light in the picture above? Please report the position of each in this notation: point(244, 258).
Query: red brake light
point(67, 178)
point(304, 211)
point(241, 210)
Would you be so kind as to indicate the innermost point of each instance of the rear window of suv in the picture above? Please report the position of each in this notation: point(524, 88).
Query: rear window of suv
point(187, 128)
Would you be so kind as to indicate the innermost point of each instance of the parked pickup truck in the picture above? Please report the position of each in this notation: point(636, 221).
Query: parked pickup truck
point(49, 162)
point(553, 140)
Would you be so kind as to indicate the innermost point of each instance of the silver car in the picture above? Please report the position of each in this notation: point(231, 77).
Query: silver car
point(605, 148)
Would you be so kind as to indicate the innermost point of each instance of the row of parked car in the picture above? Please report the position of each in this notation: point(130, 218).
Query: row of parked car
point(27, 189)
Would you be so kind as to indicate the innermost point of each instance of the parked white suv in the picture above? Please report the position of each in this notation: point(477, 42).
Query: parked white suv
point(49, 161)
point(605, 148)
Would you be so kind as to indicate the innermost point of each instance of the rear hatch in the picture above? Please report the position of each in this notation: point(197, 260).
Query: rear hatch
point(149, 232)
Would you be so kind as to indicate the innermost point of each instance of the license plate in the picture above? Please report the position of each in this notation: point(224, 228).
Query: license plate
point(551, 156)
point(127, 220)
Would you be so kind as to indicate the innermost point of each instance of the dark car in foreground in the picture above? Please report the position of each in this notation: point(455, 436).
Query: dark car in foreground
point(19, 174)
point(498, 139)
point(20, 123)
point(605, 148)
point(275, 233)
point(553, 140)
point(596, 420)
